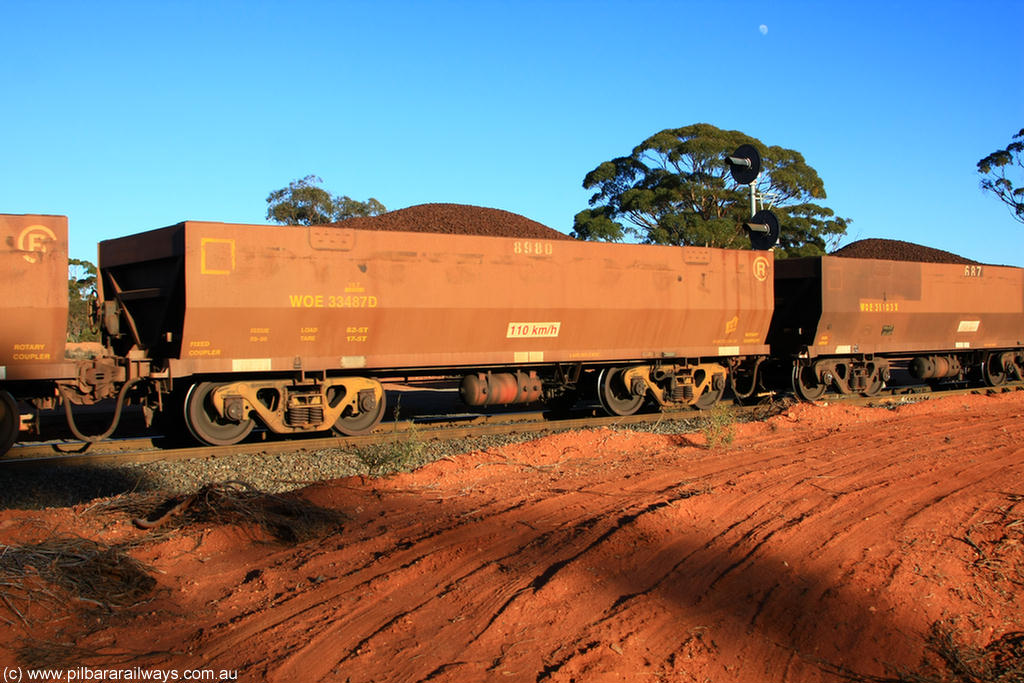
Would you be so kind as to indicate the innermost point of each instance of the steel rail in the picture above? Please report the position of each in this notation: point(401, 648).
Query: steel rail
point(429, 428)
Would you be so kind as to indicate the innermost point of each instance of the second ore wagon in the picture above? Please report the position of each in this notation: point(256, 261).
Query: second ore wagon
point(296, 326)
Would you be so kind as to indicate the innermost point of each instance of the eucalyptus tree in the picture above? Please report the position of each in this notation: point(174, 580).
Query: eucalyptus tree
point(304, 202)
point(675, 188)
point(995, 170)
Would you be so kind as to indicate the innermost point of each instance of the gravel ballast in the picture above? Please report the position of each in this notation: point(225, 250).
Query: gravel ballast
point(62, 486)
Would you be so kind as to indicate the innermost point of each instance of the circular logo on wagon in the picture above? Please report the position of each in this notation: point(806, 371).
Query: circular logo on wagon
point(35, 240)
point(761, 268)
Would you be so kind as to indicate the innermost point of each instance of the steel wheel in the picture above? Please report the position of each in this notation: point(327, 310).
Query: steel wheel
point(10, 421)
point(806, 384)
point(615, 397)
point(368, 418)
point(711, 396)
point(992, 370)
point(205, 424)
point(875, 384)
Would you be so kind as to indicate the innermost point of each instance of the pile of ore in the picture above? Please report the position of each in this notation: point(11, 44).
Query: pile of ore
point(457, 219)
point(897, 250)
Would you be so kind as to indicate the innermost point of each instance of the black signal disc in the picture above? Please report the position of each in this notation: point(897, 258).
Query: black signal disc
point(763, 240)
point(744, 175)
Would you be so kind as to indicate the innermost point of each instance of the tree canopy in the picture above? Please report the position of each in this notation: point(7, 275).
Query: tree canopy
point(304, 202)
point(994, 169)
point(81, 298)
point(675, 188)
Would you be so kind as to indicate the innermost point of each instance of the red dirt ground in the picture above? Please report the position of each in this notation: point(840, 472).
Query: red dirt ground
point(825, 539)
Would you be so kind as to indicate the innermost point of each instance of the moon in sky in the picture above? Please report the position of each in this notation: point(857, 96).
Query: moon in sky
point(763, 29)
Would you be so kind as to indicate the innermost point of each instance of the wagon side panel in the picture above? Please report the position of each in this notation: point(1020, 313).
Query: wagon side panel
point(34, 292)
point(875, 306)
point(284, 298)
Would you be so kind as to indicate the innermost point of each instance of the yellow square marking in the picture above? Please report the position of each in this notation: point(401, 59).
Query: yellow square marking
point(219, 259)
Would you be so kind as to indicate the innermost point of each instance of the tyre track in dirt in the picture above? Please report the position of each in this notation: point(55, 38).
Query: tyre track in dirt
point(583, 541)
point(823, 538)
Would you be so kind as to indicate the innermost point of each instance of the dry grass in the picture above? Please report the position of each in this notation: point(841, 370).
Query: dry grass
point(50, 573)
point(998, 545)
point(949, 660)
point(287, 519)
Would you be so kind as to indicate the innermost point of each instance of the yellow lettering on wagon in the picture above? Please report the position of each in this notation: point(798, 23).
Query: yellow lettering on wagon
point(202, 349)
point(30, 352)
point(332, 301)
point(876, 306)
point(355, 333)
point(533, 248)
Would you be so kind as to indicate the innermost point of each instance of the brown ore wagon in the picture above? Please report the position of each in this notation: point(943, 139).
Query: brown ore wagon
point(34, 292)
point(847, 322)
point(295, 326)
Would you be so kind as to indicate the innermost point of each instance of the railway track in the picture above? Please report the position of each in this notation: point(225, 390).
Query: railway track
point(425, 428)
point(150, 450)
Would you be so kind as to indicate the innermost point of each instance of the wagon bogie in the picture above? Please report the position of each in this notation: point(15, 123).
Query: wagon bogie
point(623, 390)
point(866, 376)
point(999, 366)
point(225, 412)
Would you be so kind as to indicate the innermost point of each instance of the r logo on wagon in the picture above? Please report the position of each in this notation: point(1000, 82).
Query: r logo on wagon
point(761, 268)
point(35, 240)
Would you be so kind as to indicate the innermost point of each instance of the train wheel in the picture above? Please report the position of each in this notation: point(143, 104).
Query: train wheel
point(992, 370)
point(806, 384)
point(10, 421)
point(615, 396)
point(875, 384)
point(711, 396)
point(205, 424)
point(368, 418)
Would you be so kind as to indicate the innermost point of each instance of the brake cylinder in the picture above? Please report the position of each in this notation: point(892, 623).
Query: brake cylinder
point(501, 388)
point(935, 367)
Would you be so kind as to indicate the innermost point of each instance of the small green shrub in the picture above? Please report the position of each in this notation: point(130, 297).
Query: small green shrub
point(401, 455)
point(718, 426)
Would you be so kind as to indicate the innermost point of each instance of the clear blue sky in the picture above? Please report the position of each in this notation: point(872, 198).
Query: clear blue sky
point(127, 116)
